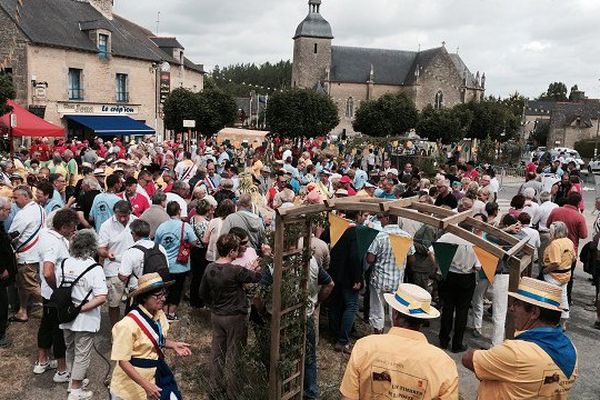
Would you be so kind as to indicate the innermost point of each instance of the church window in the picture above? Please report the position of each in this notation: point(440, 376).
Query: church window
point(316, 48)
point(350, 107)
point(439, 100)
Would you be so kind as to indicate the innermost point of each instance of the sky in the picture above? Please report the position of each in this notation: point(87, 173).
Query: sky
point(521, 45)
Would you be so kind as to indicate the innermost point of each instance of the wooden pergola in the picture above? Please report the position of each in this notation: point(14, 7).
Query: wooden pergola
point(287, 382)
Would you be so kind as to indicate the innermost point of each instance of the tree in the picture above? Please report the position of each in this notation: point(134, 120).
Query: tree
point(442, 125)
point(557, 91)
point(492, 119)
point(540, 132)
point(239, 79)
point(575, 94)
point(391, 114)
point(179, 105)
point(301, 113)
point(6, 92)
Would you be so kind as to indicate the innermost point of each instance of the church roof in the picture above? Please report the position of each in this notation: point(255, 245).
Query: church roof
point(69, 18)
point(314, 25)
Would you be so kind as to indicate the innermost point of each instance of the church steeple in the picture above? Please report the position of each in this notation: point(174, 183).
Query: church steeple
point(314, 6)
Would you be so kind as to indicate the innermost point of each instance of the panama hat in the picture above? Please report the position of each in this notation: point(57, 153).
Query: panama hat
point(412, 300)
point(149, 282)
point(539, 293)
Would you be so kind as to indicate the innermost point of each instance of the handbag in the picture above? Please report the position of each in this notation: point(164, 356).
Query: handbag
point(183, 255)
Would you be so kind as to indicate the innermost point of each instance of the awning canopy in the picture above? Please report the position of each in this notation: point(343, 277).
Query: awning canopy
point(112, 125)
point(29, 124)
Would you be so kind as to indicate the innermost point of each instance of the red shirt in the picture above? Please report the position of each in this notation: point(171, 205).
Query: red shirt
point(139, 203)
point(574, 220)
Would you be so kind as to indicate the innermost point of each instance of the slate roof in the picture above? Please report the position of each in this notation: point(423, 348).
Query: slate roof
point(565, 114)
point(314, 25)
point(57, 23)
point(537, 107)
point(167, 42)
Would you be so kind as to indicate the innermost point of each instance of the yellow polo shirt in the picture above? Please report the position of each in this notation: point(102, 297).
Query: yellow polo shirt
point(560, 251)
point(130, 342)
point(399, 365)
point(518, 370)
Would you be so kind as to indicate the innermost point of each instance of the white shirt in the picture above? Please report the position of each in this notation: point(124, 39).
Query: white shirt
point(534, 239)
point(117, 238)
point(465, 258)
point(494, 186)
point(132, 261)
point(53, 248)
point(27, 222)
point(182, 203)
point(93, 280)
point(531, 208)
point(185, 166)
point(287, 153)
point(543, 212)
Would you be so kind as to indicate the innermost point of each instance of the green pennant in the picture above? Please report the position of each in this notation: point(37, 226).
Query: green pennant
point(444, 253)
point(364, 238)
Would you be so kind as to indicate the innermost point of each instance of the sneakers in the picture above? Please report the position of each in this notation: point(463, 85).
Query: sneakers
point(80, 394)
point(84, 383)
point(172, 318)
point(343, 348)
point(41, 368)
point(476, 333)
point(61, 377)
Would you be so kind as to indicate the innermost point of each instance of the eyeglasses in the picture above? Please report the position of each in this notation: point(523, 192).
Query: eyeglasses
point(160, 294)
point(244, 243)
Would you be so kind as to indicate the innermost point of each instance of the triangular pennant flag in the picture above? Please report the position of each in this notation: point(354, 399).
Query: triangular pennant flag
point(400, 246)
point(489, 263)
point(337, 227)
point(364, 238)
point(444, 254)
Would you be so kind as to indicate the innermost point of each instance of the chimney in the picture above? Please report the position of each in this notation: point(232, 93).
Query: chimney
point(104, 6)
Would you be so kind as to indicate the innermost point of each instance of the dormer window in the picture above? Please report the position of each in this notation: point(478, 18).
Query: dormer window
point(103, 46)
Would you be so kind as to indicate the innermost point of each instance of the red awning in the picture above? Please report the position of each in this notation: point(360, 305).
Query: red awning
point(29, 124)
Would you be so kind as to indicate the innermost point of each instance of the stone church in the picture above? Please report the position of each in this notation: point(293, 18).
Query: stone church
point(351, 75)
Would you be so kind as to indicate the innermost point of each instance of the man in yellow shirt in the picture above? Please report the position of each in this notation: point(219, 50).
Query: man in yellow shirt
point(541, 362)
point(401, 364)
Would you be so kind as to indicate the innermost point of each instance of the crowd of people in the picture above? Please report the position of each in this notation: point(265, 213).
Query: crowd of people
point(137, 228)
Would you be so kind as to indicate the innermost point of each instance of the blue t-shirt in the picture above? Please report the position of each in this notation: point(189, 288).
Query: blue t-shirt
point(382, 194)
point(102, 208)
point(168, 234)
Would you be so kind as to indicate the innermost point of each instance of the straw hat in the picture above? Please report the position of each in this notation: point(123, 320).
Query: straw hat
point(539, 293)
point(148, 282)
point(412, 300)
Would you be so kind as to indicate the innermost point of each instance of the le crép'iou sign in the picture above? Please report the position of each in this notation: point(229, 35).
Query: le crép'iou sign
point(97, 108)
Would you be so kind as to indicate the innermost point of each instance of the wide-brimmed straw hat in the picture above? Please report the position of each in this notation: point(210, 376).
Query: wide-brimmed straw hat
point(412, 300)
point(149, 282)
point(539, 293)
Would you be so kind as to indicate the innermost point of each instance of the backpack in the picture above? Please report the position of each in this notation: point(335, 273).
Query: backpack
point(61, 298)
point(154, 261)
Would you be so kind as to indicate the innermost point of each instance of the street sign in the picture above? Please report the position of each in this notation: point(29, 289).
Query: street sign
point(189, 123)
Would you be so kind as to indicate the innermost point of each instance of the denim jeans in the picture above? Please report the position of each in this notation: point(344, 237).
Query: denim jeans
point(311, 387)
point(343, 306)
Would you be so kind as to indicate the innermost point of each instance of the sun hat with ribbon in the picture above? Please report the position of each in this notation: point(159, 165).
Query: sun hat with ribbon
point(412, 300)
point(148, 282)
point(539, 293)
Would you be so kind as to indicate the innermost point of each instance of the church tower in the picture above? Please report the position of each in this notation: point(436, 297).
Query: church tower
point(312, 49)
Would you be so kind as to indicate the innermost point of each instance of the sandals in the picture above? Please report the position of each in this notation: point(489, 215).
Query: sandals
point(14, 318)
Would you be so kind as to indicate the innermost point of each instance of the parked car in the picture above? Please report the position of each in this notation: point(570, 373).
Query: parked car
point(567, 155)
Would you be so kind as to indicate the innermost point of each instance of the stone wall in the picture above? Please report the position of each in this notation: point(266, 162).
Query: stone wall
point(566, 137)
point(13, 45)
point(309, 68)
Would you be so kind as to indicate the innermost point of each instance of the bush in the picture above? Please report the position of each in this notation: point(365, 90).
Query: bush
point(586, 147)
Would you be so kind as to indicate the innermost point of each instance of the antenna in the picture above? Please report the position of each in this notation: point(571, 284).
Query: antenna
point(157, 22)
point(457, 48)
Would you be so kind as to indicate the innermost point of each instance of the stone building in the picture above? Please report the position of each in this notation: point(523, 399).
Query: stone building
point(351, 75)
point(72, 61)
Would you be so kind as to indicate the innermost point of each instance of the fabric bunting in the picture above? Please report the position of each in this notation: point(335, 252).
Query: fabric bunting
point(489, 263)
point(337, 227)
point(444, 254)
point(364, 238)
point(400, 247)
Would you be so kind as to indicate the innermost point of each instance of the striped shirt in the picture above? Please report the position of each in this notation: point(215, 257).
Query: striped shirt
point(386, 276)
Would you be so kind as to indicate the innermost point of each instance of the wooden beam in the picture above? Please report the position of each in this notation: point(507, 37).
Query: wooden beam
point(291, 212)
point(385, 206)
point(456, 218)
point(492, 230)
point(414, 215)
point(517, 247)
point(274, 379)
point(432, 209)
point(476, 240)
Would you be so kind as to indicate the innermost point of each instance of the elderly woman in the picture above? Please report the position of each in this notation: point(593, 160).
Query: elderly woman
point(89, 292)
point(138, 341)
point(200, 220)
point(558, 257)
point(213, 231)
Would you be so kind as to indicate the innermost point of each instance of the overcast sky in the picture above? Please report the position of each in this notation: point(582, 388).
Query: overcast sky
point(520, 44)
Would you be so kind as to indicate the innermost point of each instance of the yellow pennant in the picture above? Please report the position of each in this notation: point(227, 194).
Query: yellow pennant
point(489, 263)
point(337, 227)
point(400, 247)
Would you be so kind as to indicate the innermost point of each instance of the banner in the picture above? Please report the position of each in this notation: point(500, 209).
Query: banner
point(489, 263)
point(400, 247)
point(444, 254)
point(337, 227)
point(364, 238)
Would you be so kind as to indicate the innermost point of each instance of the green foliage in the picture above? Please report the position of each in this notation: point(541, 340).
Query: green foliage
point(211, 109)
point(493, 119)
point(274, 76)
point(391, 114)
point(442, 125)
point(540, 132)
point(557, 91)
point(486, 152)
point(301, 113)
point(585, 147)
point(511, 153)
point(6, 92)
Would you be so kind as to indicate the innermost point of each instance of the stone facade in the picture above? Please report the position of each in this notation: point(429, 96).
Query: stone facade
point(311, 60)
point(13, 56)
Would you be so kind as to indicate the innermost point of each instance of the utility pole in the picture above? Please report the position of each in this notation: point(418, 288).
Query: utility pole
point(157, 22)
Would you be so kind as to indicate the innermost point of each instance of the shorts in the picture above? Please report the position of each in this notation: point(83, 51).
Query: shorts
point(116, 289)
point(27, 279)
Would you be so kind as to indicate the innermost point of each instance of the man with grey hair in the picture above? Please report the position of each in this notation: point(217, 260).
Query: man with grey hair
point(156, 214)
point(180, 192)
point(244, 218)
point(444, 196)
point(540, 219)
point(25, 230)
point(531, 204)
